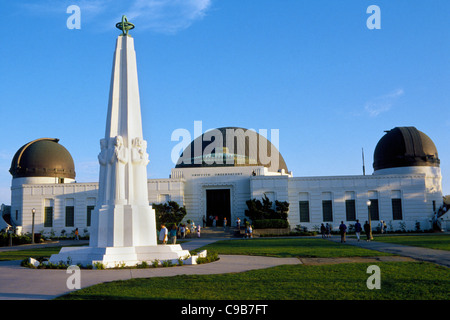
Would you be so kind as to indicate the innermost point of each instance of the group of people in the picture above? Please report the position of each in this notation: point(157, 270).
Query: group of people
point(175, 232)
point(214, 221)
point(326, 231)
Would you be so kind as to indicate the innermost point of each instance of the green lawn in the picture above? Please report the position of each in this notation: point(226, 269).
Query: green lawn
point(432, 241)
point(399, 281)
point(34, 253)
point(291, 247)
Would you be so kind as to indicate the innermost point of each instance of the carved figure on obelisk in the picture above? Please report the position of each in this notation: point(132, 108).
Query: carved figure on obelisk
point(103, 161)
point(139, 158)
point(118, 161)
point(139, 152)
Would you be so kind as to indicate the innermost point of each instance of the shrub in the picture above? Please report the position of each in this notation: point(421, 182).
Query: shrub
point(169, 213)
point(258, 210)
point(211, 256)
point(142, 265)
point(270, 223)
point(16, 239)
point(167, 263)
point(99, 266)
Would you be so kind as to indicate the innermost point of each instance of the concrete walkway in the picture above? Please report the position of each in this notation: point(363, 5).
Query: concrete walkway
point(18, 283)
point(441, 257)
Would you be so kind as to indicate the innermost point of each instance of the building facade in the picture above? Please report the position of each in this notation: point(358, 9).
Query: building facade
point(215, 177)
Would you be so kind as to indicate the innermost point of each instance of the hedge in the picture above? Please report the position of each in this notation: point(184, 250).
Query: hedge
point(270, 223)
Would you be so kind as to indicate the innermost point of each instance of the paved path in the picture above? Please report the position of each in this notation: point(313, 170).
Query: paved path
point(18, 283)
point(441, 257)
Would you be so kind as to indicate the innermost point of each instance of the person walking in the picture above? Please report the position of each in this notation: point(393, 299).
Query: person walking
point(358, 229)
point(367, 230)
point(328, 230)
point(163, 234)
point(343, 231)
point(77, 234)
point(173, 234)
point(198, 231)
point(224, 223)
point(182, 231)
point(323, 231)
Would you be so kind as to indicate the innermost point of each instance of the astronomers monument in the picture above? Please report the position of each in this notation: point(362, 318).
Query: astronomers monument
point(123, 230)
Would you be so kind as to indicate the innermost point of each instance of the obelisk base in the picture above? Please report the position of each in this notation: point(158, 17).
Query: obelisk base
point(113, 257)
point(121, 225)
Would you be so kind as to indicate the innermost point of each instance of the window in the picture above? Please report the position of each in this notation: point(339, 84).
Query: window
point(327, 206)
point(397, 209)
point(164, 198)
point(304, 211)
point(70, 212)
point(350, 210)
point(70, 216)
point(88, 215)
point(90, 205)
point(374, 213)
point(350, 206)
point(327, 210)
point(48, 217)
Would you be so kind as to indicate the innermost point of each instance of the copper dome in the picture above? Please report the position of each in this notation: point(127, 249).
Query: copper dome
point(405, 147)
point(43, 157)
point(244, 151)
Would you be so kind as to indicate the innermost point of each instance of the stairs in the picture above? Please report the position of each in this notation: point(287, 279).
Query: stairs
point(219, 232)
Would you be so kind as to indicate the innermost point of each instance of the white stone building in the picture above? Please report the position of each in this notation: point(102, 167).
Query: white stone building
point(217, 178)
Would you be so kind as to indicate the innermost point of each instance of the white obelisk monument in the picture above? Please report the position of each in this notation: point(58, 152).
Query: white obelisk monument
point(123, 230)
point(123, 217)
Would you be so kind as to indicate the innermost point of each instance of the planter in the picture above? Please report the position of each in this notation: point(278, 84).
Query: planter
point(274, 231)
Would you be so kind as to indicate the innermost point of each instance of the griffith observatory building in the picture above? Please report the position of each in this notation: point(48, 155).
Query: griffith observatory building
point(404, 190)
point(215, 175)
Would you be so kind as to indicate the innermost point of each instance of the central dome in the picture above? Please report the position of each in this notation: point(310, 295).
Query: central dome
point(43, 158)
point(234, 147)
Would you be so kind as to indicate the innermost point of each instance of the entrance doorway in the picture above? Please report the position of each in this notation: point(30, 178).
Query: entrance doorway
point(218, 205)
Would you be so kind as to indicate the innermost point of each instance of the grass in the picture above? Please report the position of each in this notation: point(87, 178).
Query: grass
point(34, 253)
point(432, 241)
point(290, 247)
point(399, 281)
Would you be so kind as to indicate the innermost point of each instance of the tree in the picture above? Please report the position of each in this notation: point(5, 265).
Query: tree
point(169, 213)
point(282, 209)
point(258, 210)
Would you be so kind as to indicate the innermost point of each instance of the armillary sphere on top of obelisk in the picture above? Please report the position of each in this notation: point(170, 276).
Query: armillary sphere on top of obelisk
point(124, 25)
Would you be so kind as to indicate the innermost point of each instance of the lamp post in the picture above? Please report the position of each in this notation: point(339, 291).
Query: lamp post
point(33, 212)
point(370, 219)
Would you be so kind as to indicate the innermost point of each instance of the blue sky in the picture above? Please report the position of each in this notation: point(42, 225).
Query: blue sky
point(311, 69)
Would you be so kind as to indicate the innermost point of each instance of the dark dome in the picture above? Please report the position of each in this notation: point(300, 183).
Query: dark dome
point(240, 147)
point(43, 158)
point(405, 147)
